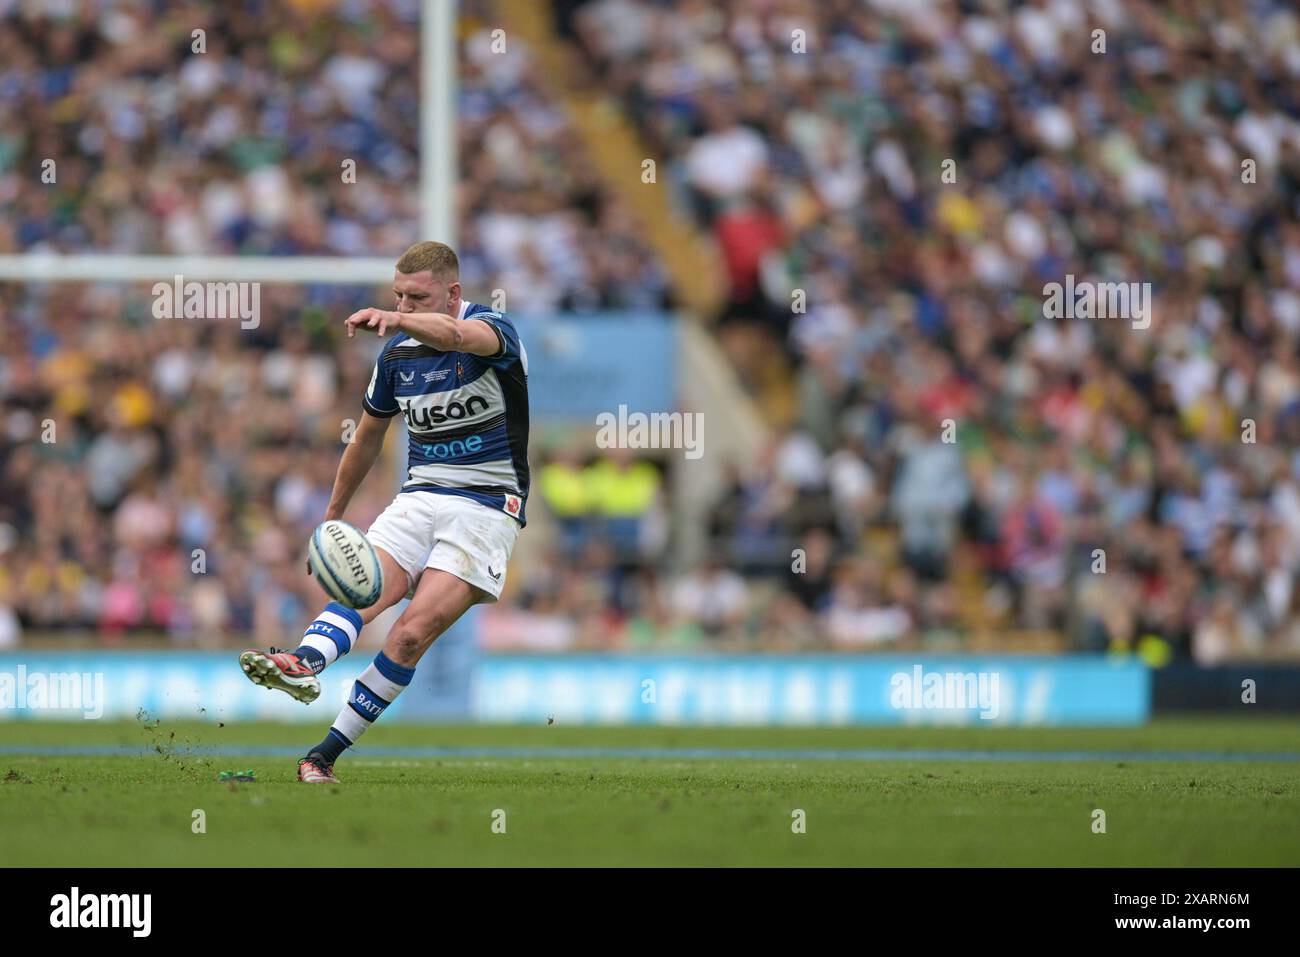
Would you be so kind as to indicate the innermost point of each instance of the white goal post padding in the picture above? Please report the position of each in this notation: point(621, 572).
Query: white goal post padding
point(437, 193)
point(94, 267)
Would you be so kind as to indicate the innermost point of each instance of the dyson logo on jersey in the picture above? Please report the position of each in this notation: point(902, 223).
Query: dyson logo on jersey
point(423, 418)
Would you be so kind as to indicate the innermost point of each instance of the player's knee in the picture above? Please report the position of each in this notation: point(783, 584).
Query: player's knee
point(407, 642)
point(412, 635)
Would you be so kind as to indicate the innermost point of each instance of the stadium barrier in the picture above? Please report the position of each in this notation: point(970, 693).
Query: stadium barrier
point(461, 684)
point(1261, 687)
point(582, 367)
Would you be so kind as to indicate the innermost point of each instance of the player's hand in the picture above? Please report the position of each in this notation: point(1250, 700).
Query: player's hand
point(380, 320)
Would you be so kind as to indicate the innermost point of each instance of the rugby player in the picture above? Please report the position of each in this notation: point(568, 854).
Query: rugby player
point(458, 375)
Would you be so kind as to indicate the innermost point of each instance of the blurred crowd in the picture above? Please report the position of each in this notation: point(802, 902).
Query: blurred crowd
point(892, 186)
point(161, 476)
point(292, 129)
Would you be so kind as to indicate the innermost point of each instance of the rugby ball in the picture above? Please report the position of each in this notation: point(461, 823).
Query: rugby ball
point(346, 564)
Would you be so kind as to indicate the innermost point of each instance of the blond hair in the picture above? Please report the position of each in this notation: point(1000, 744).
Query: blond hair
point(438, 258)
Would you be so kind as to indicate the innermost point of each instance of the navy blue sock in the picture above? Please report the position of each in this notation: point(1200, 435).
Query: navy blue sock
point(329, 637)
point(328, 751)
point(315, 660)
point(372, 693)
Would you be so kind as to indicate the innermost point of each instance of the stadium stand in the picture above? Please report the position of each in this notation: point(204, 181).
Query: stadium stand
point(808, 172)
point(925, 300)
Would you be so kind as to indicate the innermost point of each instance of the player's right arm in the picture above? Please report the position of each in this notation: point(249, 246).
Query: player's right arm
point(358, 458)
point(378, 407)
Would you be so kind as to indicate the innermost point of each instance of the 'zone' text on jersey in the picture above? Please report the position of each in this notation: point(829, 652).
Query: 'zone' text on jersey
point(466, 415)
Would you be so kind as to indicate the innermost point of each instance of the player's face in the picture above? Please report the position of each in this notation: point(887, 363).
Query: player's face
point(420, 292)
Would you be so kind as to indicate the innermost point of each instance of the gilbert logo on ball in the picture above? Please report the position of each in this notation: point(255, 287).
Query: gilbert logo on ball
point(345, 564)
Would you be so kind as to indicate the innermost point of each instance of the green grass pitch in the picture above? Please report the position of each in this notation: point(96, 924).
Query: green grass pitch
point(604, 802)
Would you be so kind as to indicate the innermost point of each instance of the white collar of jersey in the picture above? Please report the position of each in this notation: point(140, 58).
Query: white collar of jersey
point(464, 306)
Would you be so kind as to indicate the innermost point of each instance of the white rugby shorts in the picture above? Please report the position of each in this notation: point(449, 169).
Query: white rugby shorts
point(449, 532)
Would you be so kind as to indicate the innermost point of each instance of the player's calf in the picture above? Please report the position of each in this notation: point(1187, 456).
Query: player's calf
point(334, 632)
point(329, 637)
point(440, 599)
point(371, 694)
point(326, 639)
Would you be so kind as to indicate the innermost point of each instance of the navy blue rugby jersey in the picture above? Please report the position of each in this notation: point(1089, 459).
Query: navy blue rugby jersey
point(466, 415)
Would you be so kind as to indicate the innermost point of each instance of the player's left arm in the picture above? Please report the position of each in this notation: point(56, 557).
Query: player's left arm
point(435, 329)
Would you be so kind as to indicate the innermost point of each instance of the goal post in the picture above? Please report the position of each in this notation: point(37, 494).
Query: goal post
point(435, 193)
point(98, 267)
point(438, 140)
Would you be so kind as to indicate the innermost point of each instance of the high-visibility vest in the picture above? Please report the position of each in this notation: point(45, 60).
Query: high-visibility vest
point(624, 492)
point(565, 489)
